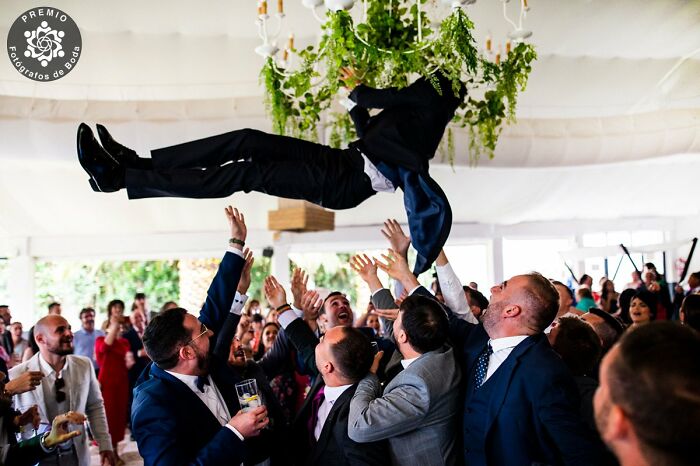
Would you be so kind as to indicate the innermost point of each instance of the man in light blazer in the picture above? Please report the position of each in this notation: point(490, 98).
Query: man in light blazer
point(69, 384)
point(417, 411)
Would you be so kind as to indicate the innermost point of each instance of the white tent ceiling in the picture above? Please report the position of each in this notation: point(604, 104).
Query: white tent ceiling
point(609, 126)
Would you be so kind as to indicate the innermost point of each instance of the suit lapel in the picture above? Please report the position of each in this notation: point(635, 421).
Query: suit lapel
point(189, 399)
point(73, 383)
point(38, 394)
point(327, 431)
point(508, 368)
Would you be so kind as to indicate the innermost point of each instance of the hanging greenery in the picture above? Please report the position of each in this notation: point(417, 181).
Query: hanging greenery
point(387, 50)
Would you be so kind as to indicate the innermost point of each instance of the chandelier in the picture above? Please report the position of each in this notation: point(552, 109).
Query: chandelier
point(387, 43)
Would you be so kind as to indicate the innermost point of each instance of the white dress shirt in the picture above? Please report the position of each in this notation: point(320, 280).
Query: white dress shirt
point(453, 293)
point(407, 362)
point(211, 397)
point(502, 347)
point(331, 394)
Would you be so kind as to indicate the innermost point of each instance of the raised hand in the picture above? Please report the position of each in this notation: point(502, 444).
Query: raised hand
point(249, 424)
point(25, 382)
point(366, 268)
point(300, 279)
point(236, 222)
point(311, 303)
point(397, 268)
point(59, 428)
point(375, 363)
point(244, 282)
point(274, 292)
point(397, 238)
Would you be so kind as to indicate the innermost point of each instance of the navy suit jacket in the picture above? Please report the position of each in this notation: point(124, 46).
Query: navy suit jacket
point(170, 423)
point(400, 141)
point(533, 413)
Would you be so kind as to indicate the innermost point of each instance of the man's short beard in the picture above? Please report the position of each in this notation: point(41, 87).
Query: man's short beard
point(61, 352)
point(489, 317)
point(202, 362)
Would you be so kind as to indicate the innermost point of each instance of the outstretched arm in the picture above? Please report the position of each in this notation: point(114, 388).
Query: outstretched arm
point(367, 97)
point(222, 290)
point(452, 289)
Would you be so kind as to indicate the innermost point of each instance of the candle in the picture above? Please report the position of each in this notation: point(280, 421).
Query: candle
point(498, 58)
point(488, 43)
point(508, 47)
point(280, 6)
point(263, 7)
point(525, 4)
point(285, 55)
point(290, 42)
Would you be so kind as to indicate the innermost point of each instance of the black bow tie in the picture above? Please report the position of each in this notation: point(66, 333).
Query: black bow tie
point(201, 382)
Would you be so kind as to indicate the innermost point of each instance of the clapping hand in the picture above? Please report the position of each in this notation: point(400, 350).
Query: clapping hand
point(30, 416)
point(397, 238)
point(59, 428)
point(25, 382)
point(274, 292)
point(236, 222)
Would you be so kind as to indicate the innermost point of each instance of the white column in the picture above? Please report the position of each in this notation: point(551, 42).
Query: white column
point(497, 259)
point(21, 284)
point(280, 262)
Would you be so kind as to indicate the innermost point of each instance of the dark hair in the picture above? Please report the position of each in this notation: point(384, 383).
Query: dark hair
point(273, 324)
point(654, 379)
point(691, 311)
point(352, 354)
point(609, 330)
point(695, 275)
point(648, 298)
point(543, 301)
point(32, 341)
point(578, 345)
point(112, 304)
point(424, 322)
point(138, 296)
point(624, 304)
point(257, 318)
point(571, 293)
point(52, 305)
point(164, 336)
point(477, 297)
point(583, 278)
point(330, 295)
point(85, 310)
point(585, 292)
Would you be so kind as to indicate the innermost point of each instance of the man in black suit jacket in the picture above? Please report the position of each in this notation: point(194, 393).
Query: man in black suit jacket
point(393, 152)
point(520, 402)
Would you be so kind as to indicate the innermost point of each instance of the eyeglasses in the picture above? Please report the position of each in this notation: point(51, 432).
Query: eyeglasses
point(60, 396)
point(204, 330)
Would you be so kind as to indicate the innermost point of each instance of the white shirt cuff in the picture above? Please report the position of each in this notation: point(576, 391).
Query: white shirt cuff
point(233, 429)
point(297, 311)
point(414, 290)
point(287, 318)
point(238, 303)
point(236, 251)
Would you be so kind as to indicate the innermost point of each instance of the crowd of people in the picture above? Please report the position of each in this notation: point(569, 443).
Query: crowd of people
point(537, 373)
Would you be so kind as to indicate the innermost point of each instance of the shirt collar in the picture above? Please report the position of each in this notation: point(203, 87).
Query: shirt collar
point(407, 362)
point(46, 368)
point(189, 380)
point(333, 393)
point(499, 344)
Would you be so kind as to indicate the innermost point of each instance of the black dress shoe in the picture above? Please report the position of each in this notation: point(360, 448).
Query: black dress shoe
point(106, 175)
point(122, 154)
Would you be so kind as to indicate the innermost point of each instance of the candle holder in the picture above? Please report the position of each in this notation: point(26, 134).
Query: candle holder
point(269, 46)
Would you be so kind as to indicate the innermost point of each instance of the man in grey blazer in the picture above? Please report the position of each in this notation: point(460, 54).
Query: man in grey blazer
point(417, 411)
point(69, 384)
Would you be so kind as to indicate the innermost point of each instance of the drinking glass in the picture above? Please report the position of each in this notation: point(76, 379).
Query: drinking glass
point(248, 395)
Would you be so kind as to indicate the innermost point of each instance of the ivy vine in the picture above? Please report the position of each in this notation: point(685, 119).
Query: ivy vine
point(386, 50)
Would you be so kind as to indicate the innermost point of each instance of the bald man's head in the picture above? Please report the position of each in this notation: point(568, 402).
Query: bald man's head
point(53, 335)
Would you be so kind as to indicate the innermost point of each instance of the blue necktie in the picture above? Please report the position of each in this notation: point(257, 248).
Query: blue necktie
point(482, 366)
point(201, 382)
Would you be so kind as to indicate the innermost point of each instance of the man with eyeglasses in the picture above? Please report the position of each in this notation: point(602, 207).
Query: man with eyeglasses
point(69, 384)
point(187, 411)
